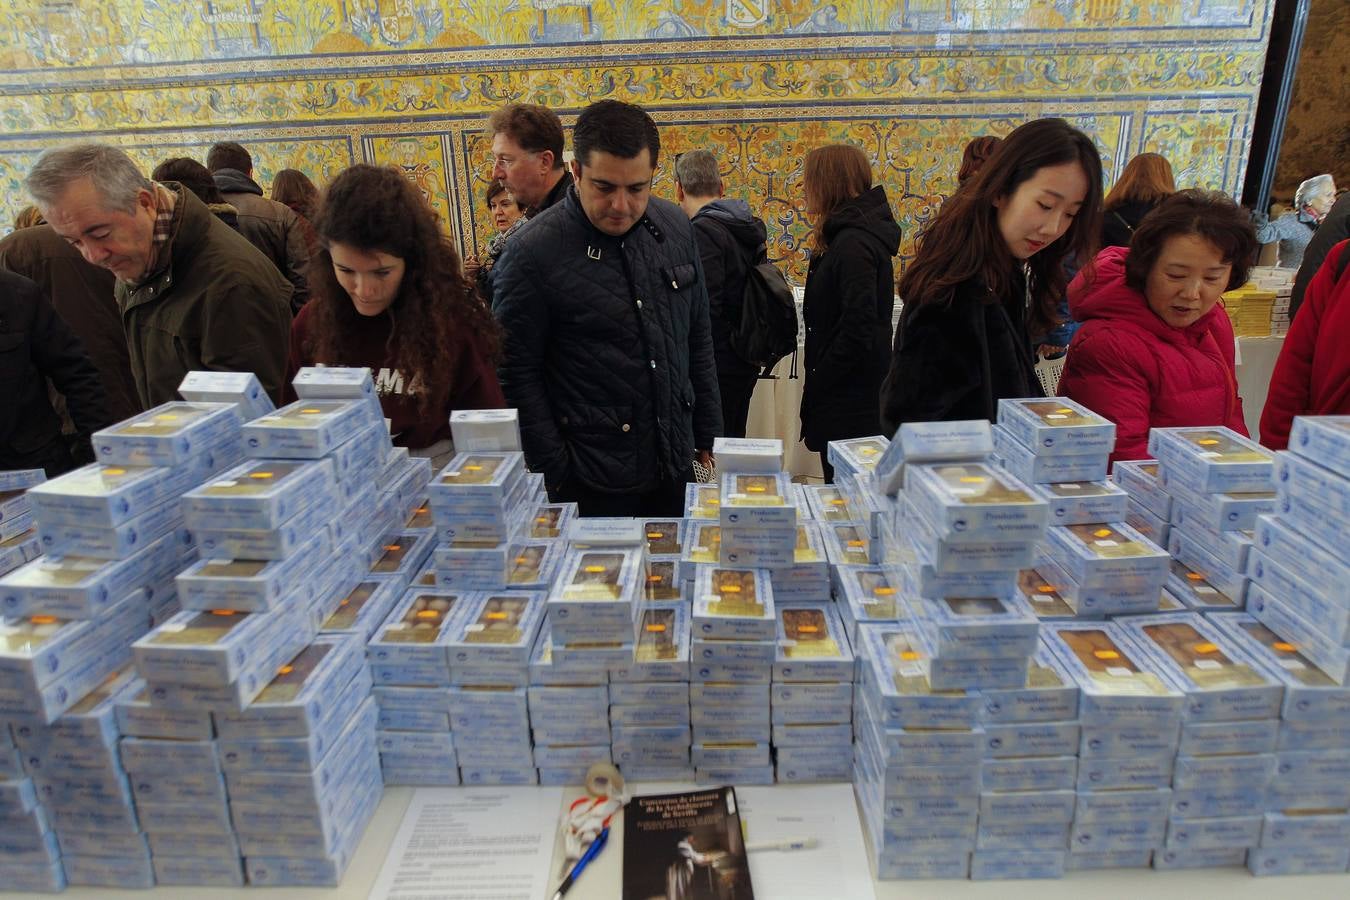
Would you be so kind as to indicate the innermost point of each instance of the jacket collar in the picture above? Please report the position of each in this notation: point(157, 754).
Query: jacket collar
point(555, 194)
point(233, 181)
point(191, 222)
point(597, 239)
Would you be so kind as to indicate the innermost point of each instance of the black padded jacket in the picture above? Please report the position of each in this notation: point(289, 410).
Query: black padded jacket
point(608, 352)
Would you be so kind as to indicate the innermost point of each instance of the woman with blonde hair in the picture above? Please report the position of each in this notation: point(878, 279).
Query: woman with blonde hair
point(1145, 182)
point(849, 297)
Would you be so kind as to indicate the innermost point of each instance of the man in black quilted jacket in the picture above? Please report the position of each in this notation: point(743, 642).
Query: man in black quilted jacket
point(608, 352)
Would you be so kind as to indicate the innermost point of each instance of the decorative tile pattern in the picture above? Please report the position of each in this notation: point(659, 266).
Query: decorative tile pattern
point(318, 84)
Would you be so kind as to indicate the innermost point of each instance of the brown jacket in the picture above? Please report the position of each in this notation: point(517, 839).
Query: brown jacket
point(272, 227)
point(216, 304)
point(82, 294)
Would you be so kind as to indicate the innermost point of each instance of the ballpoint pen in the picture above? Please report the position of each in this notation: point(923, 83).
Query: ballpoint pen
point(591, 853)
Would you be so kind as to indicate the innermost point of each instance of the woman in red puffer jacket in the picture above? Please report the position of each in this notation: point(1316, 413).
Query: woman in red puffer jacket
point(1312, 375)
point(1156, 348)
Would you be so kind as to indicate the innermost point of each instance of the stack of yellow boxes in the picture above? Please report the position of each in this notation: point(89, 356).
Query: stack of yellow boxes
point(1249, 308)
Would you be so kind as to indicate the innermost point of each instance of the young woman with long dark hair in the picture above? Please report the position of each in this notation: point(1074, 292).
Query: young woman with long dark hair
point(988, 277)
point(388, 292)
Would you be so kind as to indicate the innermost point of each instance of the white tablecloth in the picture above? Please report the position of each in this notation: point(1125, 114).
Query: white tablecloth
point(1256, 365)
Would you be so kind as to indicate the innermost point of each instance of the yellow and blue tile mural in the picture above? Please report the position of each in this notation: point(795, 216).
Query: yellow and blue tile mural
point(319, 84)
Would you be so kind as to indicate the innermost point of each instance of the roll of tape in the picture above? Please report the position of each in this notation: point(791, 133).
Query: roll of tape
point(603, 780)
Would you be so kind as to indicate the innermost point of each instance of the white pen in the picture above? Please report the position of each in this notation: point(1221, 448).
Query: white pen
point(789, 844)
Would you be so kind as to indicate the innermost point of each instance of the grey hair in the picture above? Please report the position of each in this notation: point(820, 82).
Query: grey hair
point(1313, 188)
point(696, 172)
point(114, 175)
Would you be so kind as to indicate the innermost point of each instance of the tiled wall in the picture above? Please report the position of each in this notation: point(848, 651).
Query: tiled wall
point(319, 84)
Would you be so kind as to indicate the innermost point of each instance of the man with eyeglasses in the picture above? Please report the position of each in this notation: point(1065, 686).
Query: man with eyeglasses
point(527, 159)
point(527, 155)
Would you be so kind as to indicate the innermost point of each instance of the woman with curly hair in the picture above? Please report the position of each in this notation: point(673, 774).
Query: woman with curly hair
point(388, 292)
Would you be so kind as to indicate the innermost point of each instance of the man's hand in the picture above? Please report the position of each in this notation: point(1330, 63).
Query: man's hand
point(705, 458)
point(471, 266)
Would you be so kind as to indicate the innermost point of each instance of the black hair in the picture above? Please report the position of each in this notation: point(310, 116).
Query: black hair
point(617, 128)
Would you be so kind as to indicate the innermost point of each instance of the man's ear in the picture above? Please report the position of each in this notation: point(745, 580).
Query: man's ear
point(546, 160)
point(145, 199)
point(679, 192)
point(576, 170)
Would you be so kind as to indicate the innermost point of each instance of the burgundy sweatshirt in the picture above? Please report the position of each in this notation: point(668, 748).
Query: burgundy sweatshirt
point(466, 380)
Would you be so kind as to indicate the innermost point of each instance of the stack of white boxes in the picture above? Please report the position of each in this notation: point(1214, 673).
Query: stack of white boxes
point(123, 514)
point(594, 612)
point(116, 539)
point(194, 663)
point(758, 513)
point(1299, 568)
point(970, 517)
point(1149, 512)
point(410, 664)
point(302, 773)
point(812, 694)
point(1098, 563)
point(28, 859)
point(491, 701)
point(732, 652)
point(468, 523)
point(1306, 827)
point(1219, 482)
point(733, 618)
point(1149, 508)
point(563, 741)
point(279, 563)
point(918, 748)
point(1030, 772)
point(378, 484)
point(1224, 761)
point(80, 781)
point(1281, 281)
point(19, 542)
point(474, 515)
point(651, 690)
point(479, 501)
point(1130, 716)
point(916, 759)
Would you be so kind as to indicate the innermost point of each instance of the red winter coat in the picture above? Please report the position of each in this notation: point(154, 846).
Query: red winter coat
point(1130, 366)
point(1312, 375)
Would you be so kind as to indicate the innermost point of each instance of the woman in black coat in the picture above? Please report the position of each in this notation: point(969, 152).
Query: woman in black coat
point(987, 280)
point(849, 297)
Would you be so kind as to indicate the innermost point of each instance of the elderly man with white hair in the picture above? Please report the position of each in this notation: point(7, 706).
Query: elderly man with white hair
point(1295, 228)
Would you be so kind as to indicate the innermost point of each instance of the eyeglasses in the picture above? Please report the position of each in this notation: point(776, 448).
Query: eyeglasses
point(508, 162)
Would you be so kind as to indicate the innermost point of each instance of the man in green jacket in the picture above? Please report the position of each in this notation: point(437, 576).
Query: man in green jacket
point(193, 293)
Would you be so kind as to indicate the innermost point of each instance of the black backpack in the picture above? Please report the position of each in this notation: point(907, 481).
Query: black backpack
point(768, 323)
